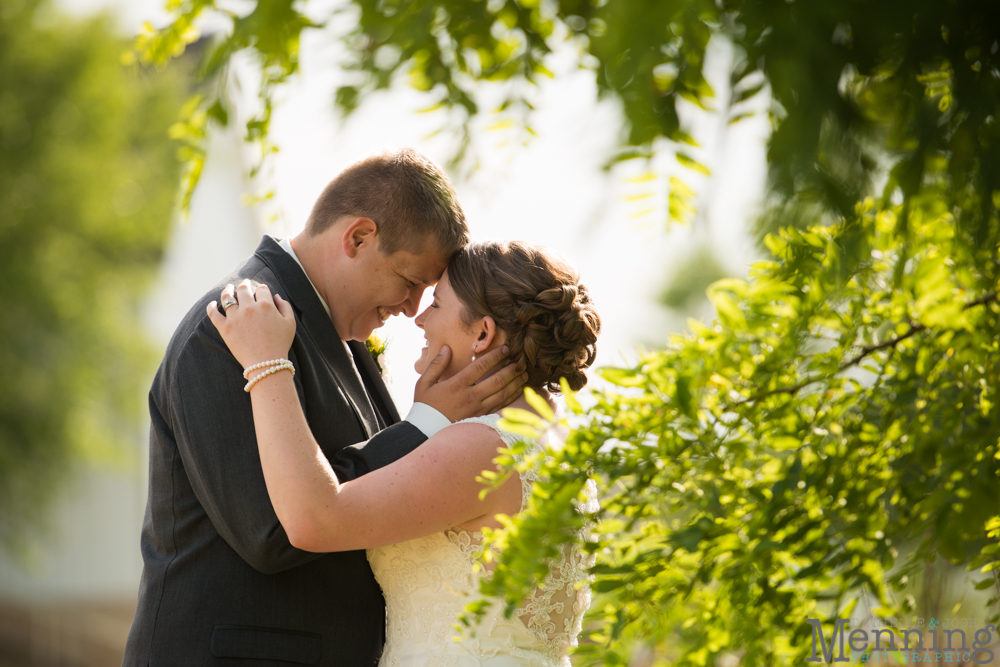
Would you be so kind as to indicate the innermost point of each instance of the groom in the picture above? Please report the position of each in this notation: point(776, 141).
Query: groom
point(221, 585)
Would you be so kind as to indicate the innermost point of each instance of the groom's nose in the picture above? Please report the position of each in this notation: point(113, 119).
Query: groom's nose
point(412, 303)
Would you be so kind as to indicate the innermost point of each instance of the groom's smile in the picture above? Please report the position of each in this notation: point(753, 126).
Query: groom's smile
point(390, 284)
point(385, 313)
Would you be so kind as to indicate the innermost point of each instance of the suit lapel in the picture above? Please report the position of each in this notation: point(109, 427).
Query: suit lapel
point(385, 407)
point(313, 318)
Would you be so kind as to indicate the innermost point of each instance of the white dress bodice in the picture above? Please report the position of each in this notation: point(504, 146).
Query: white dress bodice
point(427, 582)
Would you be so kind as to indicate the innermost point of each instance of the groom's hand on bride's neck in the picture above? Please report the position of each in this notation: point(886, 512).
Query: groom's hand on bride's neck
point(475, 390)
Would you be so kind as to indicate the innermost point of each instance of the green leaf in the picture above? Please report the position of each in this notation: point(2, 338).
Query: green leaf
point(738, 287)
point(518, 428)
point(689, 538)
point(525, 417)
point(728, 308)
point(747, 93)
point(693, 164)
point(347, 98)
point(785, 442)
point(848, 610)
point(570, 397)
point(540, 405)
point(622, 377)
point(607, 585)
point(767, 545)
point(218, 113)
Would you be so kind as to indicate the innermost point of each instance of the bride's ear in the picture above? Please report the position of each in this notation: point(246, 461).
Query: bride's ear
point(486, 333)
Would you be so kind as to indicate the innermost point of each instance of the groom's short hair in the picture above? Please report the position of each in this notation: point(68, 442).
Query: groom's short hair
point(408, 196)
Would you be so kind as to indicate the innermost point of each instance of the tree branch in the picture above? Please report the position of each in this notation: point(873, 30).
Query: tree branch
point(892, 342)
point(864, 352)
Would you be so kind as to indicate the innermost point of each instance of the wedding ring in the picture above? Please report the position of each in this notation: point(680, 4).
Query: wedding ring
point(227, 304)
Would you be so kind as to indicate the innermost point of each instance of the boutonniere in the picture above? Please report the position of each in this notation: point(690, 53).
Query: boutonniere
point(376, 347)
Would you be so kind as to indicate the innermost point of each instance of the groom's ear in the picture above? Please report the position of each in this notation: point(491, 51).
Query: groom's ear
point(359, 233)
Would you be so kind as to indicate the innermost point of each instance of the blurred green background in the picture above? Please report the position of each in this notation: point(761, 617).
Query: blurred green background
point(88, 185)
point(87, 189)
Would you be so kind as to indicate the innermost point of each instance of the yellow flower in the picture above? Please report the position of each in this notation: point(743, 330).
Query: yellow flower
point(376, 347)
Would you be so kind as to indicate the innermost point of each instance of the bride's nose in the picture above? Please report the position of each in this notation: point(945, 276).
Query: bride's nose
point(421, 317)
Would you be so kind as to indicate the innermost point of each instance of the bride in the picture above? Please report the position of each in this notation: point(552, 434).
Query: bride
point(420, 518)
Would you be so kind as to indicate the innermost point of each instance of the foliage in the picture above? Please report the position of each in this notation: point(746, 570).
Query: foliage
point(837, 426)
point(766, 469)
point(86, 188)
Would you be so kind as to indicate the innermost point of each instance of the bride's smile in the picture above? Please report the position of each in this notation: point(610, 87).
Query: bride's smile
point(444, 323)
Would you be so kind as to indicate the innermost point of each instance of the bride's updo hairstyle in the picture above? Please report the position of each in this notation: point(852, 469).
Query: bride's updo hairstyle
point(536, 299)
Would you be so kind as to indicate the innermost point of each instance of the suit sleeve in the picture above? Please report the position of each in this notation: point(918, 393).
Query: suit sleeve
point(389, 445)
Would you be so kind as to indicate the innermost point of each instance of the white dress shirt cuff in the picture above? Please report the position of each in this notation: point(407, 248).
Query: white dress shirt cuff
point(427, 419)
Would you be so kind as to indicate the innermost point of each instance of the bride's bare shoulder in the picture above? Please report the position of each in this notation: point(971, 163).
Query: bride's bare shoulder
point(472, 432)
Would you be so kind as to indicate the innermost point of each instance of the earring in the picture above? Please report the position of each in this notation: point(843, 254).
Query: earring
point(473, 352)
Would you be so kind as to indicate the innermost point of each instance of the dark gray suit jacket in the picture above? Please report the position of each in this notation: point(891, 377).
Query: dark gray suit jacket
point(221, 585)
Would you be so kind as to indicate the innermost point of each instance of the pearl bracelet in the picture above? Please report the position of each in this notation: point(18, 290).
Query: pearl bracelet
point(263, 364)
point(286, 366)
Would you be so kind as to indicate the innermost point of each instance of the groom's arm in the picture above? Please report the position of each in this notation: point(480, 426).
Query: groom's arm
point(388, 445)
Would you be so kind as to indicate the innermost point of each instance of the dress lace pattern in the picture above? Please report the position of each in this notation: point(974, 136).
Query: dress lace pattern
point(428, 581)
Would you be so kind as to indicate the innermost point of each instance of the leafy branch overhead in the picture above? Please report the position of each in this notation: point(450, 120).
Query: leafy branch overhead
point(836, 428)
point(848, 83)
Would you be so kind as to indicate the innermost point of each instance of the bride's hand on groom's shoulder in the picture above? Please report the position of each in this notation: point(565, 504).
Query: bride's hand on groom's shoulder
point(256, 326)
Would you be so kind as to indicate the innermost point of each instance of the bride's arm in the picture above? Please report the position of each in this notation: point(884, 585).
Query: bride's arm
point(429, 490)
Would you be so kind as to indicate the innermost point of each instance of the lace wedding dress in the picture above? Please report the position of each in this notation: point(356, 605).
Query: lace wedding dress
point(428, 581)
